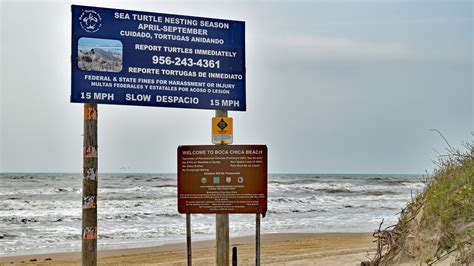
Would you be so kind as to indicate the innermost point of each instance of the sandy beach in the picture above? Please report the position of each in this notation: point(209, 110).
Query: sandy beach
point(277, 249)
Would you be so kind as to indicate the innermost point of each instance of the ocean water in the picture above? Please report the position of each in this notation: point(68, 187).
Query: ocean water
point(42, 212)
point(110, 49)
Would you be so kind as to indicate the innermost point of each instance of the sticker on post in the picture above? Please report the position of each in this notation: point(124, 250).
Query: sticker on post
point(90, 152)
point(90, 112)
point(90, 174)
point(89, 233)
point(222, 130)
point(89, 202)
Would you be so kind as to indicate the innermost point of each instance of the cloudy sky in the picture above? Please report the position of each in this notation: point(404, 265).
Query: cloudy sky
point(332, 87)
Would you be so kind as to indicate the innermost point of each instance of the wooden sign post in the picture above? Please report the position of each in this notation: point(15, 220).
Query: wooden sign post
point(257, 240)
point(222, 226)
point(188, 239)
point(89, 187)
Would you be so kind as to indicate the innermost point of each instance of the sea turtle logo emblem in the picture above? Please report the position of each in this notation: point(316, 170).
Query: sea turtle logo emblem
point(90, 21)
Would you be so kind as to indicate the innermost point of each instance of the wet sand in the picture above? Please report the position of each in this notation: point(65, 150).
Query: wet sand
point(276, 249)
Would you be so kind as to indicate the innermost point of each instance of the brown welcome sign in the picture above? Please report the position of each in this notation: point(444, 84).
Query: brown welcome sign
point(222, 179)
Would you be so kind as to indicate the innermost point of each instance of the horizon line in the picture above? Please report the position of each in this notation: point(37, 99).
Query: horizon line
point(175, 173)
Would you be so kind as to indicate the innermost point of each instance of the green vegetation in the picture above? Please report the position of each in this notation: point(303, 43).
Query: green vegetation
point(438, 225)
point(449, 208)
point(449, 199)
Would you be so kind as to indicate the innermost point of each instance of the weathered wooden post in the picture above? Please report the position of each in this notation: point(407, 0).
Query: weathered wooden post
point(222, 226)
point(188, 239)
point(222, 239)
point(89, 187)
point(257, 241)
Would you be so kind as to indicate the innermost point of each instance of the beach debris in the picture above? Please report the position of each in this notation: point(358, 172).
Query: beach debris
point(25, 220)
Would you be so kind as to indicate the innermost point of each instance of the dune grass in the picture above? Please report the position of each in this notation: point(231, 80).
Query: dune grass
point(439, 223)
point(449, 208)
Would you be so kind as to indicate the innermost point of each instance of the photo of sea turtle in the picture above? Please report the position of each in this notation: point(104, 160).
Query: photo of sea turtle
point(99, 55)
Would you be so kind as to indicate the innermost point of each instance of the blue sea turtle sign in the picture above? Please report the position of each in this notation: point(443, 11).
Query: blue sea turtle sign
point(153, 59)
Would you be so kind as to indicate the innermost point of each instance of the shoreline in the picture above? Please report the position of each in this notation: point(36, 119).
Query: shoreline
point(276, 248)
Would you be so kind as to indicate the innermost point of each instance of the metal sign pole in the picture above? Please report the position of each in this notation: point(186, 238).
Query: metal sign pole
point(257, 241)
point(188, 239)
point(222, 226)
point(89, 187)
